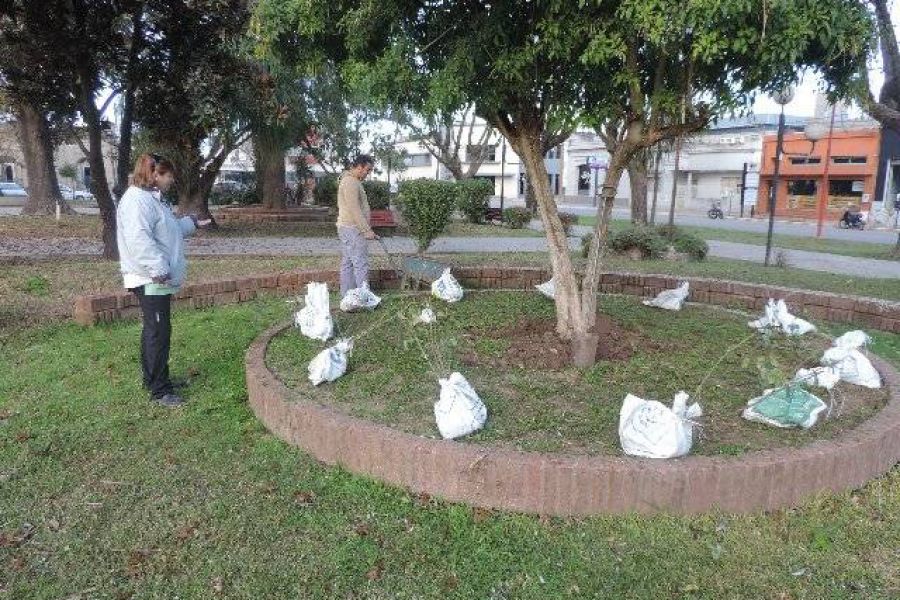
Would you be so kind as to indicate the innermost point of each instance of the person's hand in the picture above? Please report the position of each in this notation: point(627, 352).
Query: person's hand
point(371, 236)
point(161, 278)
point(200, 223)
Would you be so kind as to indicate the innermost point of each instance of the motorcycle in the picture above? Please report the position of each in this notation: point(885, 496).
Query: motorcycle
point(852, 220)
point(716, 211)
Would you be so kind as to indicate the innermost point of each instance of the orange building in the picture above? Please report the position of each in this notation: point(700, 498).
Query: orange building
point(852, 173)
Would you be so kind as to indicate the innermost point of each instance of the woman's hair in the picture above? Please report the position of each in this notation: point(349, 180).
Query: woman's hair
point(148, 165)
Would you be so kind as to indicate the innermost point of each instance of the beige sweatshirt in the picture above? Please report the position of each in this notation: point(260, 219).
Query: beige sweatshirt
point(353, 205)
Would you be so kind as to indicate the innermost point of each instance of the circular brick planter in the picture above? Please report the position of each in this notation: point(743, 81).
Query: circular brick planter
point(575, 485)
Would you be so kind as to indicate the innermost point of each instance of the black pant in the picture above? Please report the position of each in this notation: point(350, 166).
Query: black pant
point(155, 337)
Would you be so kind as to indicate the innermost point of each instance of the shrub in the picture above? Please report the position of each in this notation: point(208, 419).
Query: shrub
point(378, 193)
point(516, 217)
point(645, 239)
point(691, 245)
point(426, 206)
point(685, 243)
point(325, 193)
point(473, 198)
point(568, 220)
point(244, 197)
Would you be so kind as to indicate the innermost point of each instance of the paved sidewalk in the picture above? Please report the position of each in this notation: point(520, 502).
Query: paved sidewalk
point(293, 246)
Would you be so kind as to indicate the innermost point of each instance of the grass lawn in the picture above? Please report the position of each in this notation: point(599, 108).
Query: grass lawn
point(789, 242)
point(89, 227)
point(105, 495)
point(538, 404)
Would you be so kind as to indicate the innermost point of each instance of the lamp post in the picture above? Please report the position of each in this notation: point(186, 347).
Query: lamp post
point(782, 97)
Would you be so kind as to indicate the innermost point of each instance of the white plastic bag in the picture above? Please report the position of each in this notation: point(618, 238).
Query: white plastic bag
point(360, 298)
point(777, 315)
point(650, 429)
point(785, 407)
point(459, 411)
point(548, 288)
point(330, 363)
point(447, 288)
point(314, 319)
point(671, 299)
point(853, 339)
point(852, 366)
point(825, 377)
point(426, 317)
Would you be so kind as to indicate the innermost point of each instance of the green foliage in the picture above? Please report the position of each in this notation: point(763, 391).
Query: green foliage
point(378, 194)
point(684, 242)
point(68, 171)
point(427, 205)
point(645, 239)
point(516, 217)
point(244, 197)
point(473, 198)
point(568, 220)
point(37, 285)
point(326, 190)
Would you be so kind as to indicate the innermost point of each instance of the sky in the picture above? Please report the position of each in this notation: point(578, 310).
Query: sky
point(803, 104)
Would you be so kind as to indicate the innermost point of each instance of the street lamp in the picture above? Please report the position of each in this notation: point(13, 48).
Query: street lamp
point(781, 97)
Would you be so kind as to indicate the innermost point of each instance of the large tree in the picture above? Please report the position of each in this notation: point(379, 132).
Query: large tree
point(37, 94)
point(192, 91)
point(886, 108)
point(663, 67)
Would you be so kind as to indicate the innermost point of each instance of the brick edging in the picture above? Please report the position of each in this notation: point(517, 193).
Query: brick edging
point(575, 485)
point(868, 312)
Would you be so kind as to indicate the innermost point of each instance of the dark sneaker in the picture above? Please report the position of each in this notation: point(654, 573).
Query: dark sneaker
point(170, 400)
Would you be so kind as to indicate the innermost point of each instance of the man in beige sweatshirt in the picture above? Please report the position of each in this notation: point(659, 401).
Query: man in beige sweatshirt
point(353, 224)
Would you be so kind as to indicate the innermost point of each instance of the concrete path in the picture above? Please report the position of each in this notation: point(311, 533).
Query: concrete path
point(292, 246)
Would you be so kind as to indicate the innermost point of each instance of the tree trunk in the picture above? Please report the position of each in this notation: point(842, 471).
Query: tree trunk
point(637, 175)
point(675, 181)
point(43, 186)
point(194, 181)
point(569, 323)
point(531, 202)
point(99, 183)
point(590, 286)
point(270, 170)
point(655, 183)
point(123, 162)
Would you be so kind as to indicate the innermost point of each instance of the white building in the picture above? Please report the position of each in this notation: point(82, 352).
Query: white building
point(713, 167)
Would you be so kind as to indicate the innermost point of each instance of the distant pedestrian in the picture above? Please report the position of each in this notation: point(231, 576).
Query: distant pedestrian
point(353, 224)
point(151, 254)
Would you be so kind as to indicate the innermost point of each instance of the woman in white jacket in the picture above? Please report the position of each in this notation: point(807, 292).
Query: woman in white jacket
point(151, 254)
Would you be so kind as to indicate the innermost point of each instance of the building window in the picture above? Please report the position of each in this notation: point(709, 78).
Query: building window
point(8, 173)
point(802, 193)
point(488, 152)
point(844, 192)
point(584, 179)
point(848, 160)
point(418, 160)
point(553, 154)
point(805, 160)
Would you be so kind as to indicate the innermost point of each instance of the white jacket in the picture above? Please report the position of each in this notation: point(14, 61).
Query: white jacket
point(150, 239)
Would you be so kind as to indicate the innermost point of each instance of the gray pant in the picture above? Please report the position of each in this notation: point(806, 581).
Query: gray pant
point(354, 259)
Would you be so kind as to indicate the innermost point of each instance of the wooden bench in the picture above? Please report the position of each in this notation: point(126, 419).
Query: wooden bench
point(418, 270)
point(383, 222)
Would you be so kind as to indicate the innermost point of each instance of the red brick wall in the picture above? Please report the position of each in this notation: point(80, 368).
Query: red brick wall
point(867, 312)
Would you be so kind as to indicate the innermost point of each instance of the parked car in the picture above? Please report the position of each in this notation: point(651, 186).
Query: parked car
point(8, 188)
point(70, 194)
